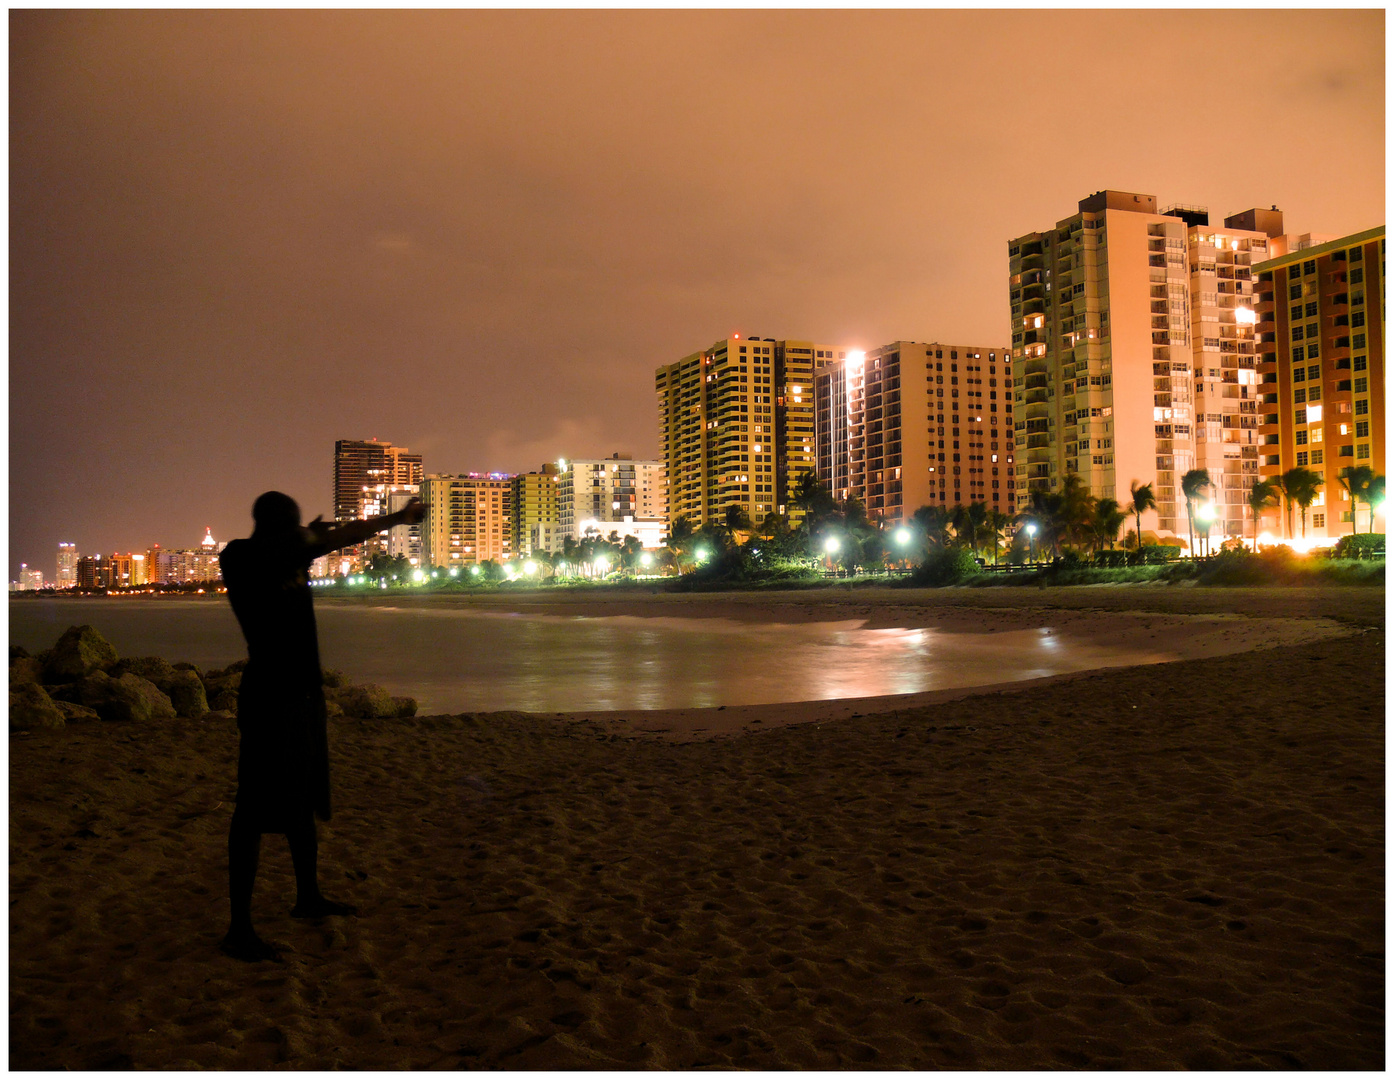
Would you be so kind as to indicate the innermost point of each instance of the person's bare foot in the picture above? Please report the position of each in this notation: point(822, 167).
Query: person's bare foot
point(319, 907)
point(246, 945)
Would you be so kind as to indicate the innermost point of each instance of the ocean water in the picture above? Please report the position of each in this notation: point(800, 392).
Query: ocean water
point(459, 660)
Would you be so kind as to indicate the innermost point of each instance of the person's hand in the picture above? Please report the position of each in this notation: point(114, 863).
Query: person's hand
point(413, 512)
point(317, 528)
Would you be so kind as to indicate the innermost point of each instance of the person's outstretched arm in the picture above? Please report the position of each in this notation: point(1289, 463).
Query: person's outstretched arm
point(329, 538)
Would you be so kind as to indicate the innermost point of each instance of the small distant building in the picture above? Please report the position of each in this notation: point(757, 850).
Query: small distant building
point(29, 580)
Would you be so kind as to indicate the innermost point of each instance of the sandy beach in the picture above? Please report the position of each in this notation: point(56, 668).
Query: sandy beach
point(1179, 865)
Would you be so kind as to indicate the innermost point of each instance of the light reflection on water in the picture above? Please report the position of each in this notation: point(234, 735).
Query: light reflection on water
point(458, 660)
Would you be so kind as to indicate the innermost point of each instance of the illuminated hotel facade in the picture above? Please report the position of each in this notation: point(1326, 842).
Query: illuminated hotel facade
point(1134, 354)
point(468, 519)
point(533, 510)
point(736, 426)
point(1321, 328)
point(913, 424)
point(606, 493)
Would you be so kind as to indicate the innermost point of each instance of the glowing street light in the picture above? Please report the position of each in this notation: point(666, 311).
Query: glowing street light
point(1031, 532)
point(1205, 514)
point(603, 565)
point(474, 570)
point(902, 536)
point(530, 568)
point(701, 554)
point(646, 560)
point(832, 545)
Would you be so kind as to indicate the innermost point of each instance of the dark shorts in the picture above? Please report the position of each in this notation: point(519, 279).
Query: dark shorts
point(282, 763)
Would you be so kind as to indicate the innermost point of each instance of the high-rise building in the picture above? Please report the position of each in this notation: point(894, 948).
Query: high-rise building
point(361, 464)
point(467, 519)
point(736, 426)
point(67, 565)
point(29, 579)
point(910, 425)
point(596, 491)
point(94, 572)
point(1321, 332)
point(533, 503)
point(375, 500)
point(1133, 353)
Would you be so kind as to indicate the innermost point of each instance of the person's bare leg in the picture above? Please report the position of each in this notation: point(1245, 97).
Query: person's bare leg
point(244, 851)
point(310, 903)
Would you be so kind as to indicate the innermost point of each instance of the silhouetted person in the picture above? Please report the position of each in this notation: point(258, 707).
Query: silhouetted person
point(283, 762)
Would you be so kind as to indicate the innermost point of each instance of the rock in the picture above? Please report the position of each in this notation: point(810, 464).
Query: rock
point(186, 693)
point(224, 701)
point(72, 712)
point(31, 707)
point(406, 706)
point(332, 709)
point(25, 669)
point(155, 668)
point(184, 665)
point(65, 692)
point(333, 678)
point(128, 698)
point(369, 702)
point(219, 714)
point(79, 652)
point(18, 652)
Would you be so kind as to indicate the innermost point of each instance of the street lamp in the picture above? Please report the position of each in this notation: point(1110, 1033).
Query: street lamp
point(1205, 513)
point(1031, 532)
point(902, 537)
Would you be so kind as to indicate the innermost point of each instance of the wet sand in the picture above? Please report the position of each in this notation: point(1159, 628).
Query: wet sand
point(1179, 865)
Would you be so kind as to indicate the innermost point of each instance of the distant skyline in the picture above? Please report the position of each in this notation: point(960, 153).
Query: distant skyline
point(237, 236)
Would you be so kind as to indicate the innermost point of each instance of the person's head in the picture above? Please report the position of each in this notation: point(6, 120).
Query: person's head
point(275, 512)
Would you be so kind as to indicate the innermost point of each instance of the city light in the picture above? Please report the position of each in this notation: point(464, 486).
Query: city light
point(602, 564)
point(832, 545)
point(1205, 513)
point(902, 536)
point(529, 568)
point(701, 554)
point(646, 559)
point(474, 570)
point(1031, 529)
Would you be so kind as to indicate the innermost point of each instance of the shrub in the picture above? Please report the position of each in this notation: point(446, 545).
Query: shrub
point(1360, 546)
point(946, 566)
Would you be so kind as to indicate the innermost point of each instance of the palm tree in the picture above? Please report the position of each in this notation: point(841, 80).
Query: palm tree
point(1262, 495)
point(1356, 479)
point(1300, 486)
point(1075, 508)
point(934, 523)
point(992, 529)
point(736, 519)
point(1192, 484)
point(1374, 496)
point(1142, 501)
point(1107, 520)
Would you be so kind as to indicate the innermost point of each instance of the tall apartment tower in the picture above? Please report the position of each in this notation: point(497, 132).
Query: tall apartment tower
point(605, 490)
point(1321, 333)
point(359, 465)
point(67, 565)
point(910, 425)
point(467, 519)
point(1133, 353)
point(533, 503)
point(736, 426)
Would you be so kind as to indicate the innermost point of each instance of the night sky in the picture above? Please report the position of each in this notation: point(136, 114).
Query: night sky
point(238, 236)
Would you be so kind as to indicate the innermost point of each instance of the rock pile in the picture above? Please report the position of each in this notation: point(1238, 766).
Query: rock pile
point(82, 678)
